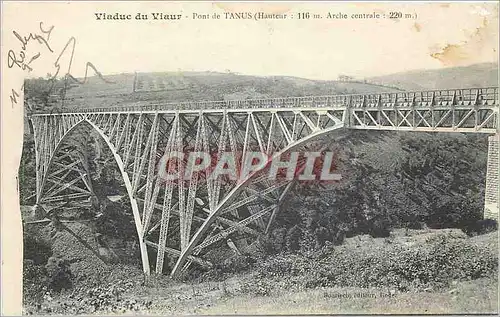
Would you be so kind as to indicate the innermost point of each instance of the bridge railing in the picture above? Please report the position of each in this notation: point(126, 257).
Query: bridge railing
point(488, 96)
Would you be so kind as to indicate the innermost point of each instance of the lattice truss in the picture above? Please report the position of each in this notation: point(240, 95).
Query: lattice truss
point(181, 220)
point(463, 110)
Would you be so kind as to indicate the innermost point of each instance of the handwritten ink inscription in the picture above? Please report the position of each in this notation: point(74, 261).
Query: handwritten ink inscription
point(22, 58)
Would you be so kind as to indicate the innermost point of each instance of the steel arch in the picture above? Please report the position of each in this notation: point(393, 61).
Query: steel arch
point(133, 201)
point(126, 179)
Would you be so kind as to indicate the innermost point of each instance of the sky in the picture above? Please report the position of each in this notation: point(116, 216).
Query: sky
point(441, 35)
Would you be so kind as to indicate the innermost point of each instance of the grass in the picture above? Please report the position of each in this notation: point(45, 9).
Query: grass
point(478, 296)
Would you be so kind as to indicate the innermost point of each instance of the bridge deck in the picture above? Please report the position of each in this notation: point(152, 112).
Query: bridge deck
point(468, 98)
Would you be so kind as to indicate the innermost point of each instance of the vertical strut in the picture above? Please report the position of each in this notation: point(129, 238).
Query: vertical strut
point(193, 182)
point(180, 186)
point(222, 147)
point(167, 200)
point(152, 140)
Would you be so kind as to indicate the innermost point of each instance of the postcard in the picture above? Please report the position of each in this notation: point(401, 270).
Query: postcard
point(249, 158)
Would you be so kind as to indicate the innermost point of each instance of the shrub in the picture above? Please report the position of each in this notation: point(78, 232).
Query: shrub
point(260, 287)
point(105, 299)
point(480, 227)
point(59, 274)
point(37, 250)
point(34, 281)
point(108, 298)
point(293, 238)
point(233, 265)
point(433, 264)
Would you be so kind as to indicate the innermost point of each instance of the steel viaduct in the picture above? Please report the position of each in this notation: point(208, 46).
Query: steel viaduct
point(183, 219)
